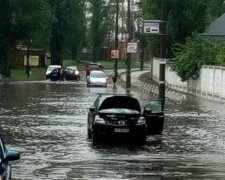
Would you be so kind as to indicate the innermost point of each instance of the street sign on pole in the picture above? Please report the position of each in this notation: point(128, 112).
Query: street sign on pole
point(154, 27)
point(114, 54)
point(132, 47)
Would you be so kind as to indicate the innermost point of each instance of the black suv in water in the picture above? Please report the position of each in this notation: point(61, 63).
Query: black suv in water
point(121, 115)
point(116, 115)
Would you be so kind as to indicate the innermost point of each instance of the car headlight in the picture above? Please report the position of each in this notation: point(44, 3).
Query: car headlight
point(76, 72)
point(99, 120)
point(141, 120)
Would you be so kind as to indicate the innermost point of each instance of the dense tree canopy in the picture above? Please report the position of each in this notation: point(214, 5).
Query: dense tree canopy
point(102, 13)
point(64, 26)
point(20, 20)
point(183, 17)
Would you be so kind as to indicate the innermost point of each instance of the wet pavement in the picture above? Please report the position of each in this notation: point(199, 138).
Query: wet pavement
point(46, 122)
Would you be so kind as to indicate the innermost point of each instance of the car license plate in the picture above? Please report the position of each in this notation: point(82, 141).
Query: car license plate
point(121, 130)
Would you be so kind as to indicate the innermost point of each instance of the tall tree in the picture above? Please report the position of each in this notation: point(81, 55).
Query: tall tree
point(183, 17)
point(74, 26)
point(215, 9)
point(56, 37)
point(5, 36)
point(19, 20)
point(102, 15)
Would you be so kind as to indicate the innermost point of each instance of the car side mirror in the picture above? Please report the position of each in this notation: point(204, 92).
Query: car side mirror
point(92, 109)
point(12, 155)
point(147, 111)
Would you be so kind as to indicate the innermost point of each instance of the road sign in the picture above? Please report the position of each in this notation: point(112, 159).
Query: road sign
point(132, 47)
point(151, 28)
point(114, 54)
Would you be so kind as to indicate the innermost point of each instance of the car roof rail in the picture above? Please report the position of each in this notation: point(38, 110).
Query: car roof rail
point(115, 94)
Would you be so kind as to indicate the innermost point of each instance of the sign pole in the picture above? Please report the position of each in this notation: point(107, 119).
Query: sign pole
point(162, 66)
point(128, 75)
point(116, 39)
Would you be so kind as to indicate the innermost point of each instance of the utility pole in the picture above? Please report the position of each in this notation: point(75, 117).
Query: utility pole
point(162, 65)
point(28, 58)
point(128, 75)
point(116, 38)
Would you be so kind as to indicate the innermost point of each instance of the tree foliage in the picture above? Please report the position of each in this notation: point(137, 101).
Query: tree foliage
point(74, 31)
point(51, 24)
point(197, 51)
point(183, 17)
point(102, 16)
point(19, 21)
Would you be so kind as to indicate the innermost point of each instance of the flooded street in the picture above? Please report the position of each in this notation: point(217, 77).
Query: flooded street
point(47, 123)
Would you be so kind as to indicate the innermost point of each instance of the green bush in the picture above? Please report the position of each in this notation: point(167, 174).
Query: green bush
point(189, 58)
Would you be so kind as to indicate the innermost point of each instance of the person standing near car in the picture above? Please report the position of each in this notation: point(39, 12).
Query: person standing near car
point(114, 79)
point(61, 74)
point(28, 71)
point(0, 76)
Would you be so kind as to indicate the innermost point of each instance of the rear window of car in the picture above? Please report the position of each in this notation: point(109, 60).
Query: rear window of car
point(50, 68)
point(94, 66)
point(98, 75)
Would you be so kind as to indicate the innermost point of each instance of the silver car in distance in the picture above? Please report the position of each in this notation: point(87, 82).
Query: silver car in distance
point(97, 79)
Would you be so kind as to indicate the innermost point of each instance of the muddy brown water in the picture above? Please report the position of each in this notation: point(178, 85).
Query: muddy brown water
point(46, 122)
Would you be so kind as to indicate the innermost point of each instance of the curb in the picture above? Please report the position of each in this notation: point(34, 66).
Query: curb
point(152, 89)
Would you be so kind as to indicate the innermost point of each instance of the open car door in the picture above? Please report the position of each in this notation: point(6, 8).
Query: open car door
point(154, 115)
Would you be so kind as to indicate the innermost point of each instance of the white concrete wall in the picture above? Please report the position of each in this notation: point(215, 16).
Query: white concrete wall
point(172, 79)
point(210, 84)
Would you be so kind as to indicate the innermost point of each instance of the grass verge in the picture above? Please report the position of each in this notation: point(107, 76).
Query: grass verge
point(38, 73)
point(19, 74)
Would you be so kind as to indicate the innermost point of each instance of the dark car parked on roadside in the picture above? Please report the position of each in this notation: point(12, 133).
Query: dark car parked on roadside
point(71, 73)
point(63, 74)
point(5, 157)
point(114, 115)
point(56, 74)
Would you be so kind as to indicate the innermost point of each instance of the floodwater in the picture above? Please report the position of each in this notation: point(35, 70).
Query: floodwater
point(46, 122)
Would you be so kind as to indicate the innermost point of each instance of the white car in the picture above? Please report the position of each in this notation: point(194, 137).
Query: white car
point(97, 78)
point(49, 70)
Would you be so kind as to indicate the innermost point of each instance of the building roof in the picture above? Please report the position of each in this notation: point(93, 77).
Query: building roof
point(216, 28)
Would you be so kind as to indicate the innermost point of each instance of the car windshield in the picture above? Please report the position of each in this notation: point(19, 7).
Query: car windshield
point(98, 75)
point(50, 68)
